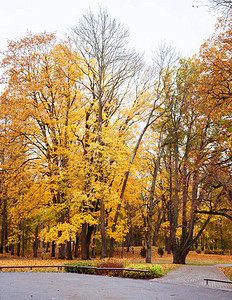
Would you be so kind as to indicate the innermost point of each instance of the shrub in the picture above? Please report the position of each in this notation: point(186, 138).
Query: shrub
point(161, 251)
point(80, 263)
point(219, 252)
point(198, 251)
point(110, 264)
point(143, 252)
point(155, 271)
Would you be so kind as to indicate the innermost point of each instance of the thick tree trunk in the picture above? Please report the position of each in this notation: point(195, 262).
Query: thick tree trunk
point(47, 247)
point(168, 244)
point(53, 254)
point(69, 250)
point(85, 241)
point(61, 254)
point(179, 257)
point(12, 249)
point(111, 247)
point(157, 227)
point(202, 244)
point(76, 250)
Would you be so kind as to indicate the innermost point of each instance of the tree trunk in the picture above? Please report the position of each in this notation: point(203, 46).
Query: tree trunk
point(3, 232)
point(23, 239)
point(174, 201)
point(76, 250)
point(53, 254)
point(111, 247)
point(61, 254)
point(179, 257)
point(47, 247)
point(148, 251)
point(148, 237)
point(19, 237)
point(84, 244)
point(12, 249)
point(36, 243)
point(122, 250)
point(69, 250)
point(103, 231)
point(202, 244)
point(157, 227)
point(167, 244)
point(6, 235)
point(94, 249)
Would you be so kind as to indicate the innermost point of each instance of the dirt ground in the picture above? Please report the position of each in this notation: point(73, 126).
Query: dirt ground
point(192, 257)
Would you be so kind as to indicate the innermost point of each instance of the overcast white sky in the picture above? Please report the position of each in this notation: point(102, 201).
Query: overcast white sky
point(150, 22)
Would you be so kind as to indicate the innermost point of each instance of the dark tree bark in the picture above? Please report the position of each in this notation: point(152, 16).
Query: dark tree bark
point(36, 243)
point(23, 238)
point(84, 245)
point(61, 254)
point(3, 231)
point(69, 250)
point(103, 231)
point(76, 250)
point(12, 249)
point(53, 254)
point(19, 240)
point(47, 247)
point(85, 240)
point(94, 246)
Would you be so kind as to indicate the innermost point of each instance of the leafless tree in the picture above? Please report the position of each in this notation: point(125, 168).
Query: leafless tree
point(221, 6)
point(108, 66)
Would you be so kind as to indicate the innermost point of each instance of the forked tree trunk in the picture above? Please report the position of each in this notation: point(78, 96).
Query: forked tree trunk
point(179, 257)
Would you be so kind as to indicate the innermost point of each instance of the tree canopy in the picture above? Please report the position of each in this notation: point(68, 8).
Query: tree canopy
point(98, 149)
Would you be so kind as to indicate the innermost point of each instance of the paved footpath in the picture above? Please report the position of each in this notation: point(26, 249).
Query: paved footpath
point(194, 275)
point(67, 286)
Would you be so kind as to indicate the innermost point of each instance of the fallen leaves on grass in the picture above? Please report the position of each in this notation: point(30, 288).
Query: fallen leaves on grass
point(29, 262)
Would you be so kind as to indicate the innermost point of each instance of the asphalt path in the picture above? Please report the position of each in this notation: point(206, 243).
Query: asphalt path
point(62, 286)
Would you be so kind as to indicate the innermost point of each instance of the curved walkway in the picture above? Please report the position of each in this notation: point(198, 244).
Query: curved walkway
point(194, 275)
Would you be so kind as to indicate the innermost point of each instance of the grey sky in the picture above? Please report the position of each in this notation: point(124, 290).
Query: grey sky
point(151, 22)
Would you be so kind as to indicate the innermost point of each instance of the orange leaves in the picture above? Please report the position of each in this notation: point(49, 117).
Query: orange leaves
point(216, 68)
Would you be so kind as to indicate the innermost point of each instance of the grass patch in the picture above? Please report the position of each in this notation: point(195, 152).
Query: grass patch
point(155, 271)
point(80, 263)
point(227, 271)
